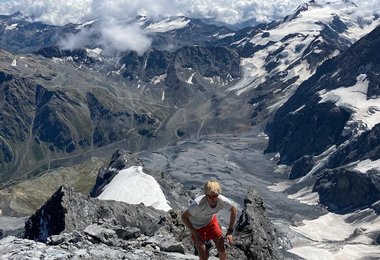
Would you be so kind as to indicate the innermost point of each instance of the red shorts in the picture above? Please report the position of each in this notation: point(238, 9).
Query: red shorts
point(211, 231)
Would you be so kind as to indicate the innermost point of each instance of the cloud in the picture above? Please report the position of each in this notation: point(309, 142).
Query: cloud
point(49, 11)
point(227, 11)
point(122, 38)
point(110, 14)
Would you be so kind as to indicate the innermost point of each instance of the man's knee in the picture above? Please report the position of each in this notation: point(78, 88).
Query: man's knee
point(202, 251)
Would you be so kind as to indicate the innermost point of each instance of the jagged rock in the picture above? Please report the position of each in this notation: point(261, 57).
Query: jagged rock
point(347, 189)
point(100, 233)
point(78, 227)
point(67, 211)
point(77, 55)
point(255, 234)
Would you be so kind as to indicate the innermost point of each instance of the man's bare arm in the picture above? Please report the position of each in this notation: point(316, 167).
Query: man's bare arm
point(231, 225)
point(186, 220)
point(233, 215)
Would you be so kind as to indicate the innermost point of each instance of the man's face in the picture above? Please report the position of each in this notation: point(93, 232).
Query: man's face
point(212, 199)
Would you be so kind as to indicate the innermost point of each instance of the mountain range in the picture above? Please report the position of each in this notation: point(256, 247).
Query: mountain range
point(306, 87)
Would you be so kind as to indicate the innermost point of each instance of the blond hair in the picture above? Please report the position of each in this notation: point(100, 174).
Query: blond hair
point(212, 186)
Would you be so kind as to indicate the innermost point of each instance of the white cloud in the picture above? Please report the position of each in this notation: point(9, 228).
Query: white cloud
point(123, 38)
point(111, 35)
point(111, 13)
point(228, 11)
point(49, 11)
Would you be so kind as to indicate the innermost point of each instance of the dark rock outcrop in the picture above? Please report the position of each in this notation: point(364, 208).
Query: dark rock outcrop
point(255, 234)
point(309, 131)
point(346, 189)
point(366, 146)
point(301, 167)
point(78, 55)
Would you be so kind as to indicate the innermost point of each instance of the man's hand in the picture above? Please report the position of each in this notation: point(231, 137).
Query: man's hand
point(230, 239)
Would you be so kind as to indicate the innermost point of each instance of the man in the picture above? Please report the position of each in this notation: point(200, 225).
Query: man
point(201, 220)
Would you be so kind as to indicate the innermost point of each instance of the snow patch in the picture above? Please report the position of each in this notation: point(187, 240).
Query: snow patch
point(280, 186)
point(190, 80)
point(158, 79)
point(167, 25)
point(365, 113)
point(11, 27)
point(94, 53)
point(85, 24)
point(367, 165)
point(306, 196)
point(355, 229)
point(133, 186)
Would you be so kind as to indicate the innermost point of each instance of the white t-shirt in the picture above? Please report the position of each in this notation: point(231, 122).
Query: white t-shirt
point(201, 212)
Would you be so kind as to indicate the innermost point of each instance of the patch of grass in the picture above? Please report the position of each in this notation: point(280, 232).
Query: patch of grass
point(28, 196)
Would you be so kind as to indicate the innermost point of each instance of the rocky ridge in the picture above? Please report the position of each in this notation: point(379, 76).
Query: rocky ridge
point(73, 226)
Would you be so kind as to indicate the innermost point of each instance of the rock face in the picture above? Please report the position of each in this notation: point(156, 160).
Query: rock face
point(366, 146)
point(67, 211)
point(301, 167)
point(345, 189)
point(73, 226)
point(255, 234)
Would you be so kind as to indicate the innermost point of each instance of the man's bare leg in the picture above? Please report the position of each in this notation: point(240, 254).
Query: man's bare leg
point(202, 250)
point(219, 243)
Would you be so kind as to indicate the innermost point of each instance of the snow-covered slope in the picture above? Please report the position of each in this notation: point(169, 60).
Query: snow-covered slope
point(279, 56)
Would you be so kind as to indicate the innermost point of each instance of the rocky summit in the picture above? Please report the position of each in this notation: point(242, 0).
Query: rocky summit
point(74, 226)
